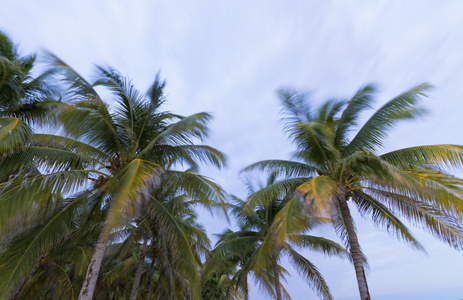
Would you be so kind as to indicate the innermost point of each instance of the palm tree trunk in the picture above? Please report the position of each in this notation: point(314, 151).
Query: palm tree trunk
point(88, 288)
point(355, 251)
point(141, 262)
point(277, 282)
point(246, 287)
point(150, 276)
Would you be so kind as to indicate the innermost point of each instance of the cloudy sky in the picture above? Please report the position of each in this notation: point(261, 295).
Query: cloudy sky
point(229, 58)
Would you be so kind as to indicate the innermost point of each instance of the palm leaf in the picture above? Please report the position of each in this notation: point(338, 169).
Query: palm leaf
point(283, 167)
point(361, 100)
point(382, 216)
point(308, 271)
point(423, 156)
point(373, 133)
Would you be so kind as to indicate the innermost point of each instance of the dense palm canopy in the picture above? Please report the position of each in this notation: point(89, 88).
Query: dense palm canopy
point(110, 156)
point(338, 163)
point(267, 233)
point(98, 194)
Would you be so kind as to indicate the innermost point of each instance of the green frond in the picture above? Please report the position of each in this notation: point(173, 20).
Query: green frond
point(186, 154)
point(382, 216)
point(266, 195)
point(319, 244)
point(445, 227)
point(196, 187)
point(284, 168)
point(14, 133)
point(60, 142)
point(25, 192)
point(310, 273)
point(362, 100)
point(316, 140)
point(374, 132)
point(295, 107)
point(449, 156)
point(182, 132)
point(185, 253)
point(128, 187)
point(25, 250)
point(120, 269)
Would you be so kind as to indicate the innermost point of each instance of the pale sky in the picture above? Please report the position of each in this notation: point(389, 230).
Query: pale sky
point(229, 58)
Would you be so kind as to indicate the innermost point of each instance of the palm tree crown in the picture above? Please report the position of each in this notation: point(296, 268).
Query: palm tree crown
point(112, 156)
point(268, 232)
point(334, 166)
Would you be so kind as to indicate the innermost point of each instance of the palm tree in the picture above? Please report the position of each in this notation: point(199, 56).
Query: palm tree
point(24, 101)
point(109, 155)
point(335, 168)
point(267, 233)
point(167, 228)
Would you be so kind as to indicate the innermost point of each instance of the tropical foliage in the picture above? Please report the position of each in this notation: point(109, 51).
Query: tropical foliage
point(99, 190)
point(334, 167)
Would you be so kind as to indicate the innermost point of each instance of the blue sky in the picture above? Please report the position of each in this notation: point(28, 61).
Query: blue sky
point(229, 58)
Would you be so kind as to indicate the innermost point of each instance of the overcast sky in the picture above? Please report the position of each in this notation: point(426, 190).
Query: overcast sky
point(229, 58)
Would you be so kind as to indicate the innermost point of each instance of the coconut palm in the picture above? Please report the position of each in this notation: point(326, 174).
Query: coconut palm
point(24, 100)
point(337, 167)
point(109, 155)
point(268, 232)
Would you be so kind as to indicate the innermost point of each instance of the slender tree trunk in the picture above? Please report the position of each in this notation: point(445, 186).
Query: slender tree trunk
point(141, 262)
point(167, 267)
point(277, 282)
point(150, 276)
point(88, 288)
point(246, 287)
point(354, 249)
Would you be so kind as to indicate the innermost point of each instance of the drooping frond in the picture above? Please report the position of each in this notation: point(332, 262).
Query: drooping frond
point(186, 254)
point(310, 273)
point(382, 216)
point(14, 133)
point(443, 226)
point(25, 250)
point(449, 156)
point(374, 132)
point(196, 186)
point(26, 191)
point(319, 244)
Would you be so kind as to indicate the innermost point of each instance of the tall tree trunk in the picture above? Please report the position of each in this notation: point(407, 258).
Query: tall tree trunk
point(150, 276)
point(141, 262)
point(88, 288)
point(246, 287)
point(355, 251)
point(277, 282)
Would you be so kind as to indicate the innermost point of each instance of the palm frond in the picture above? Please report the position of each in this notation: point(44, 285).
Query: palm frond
point(308, 271)
point(382, 216)
point(374, 132)
point(319, 244)
point(14, 133)
point(266, 195)
point(356, 105)
point(285, 168)
point(450, 156)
